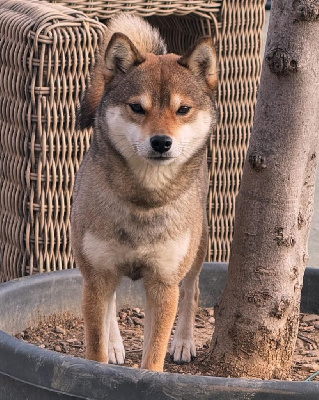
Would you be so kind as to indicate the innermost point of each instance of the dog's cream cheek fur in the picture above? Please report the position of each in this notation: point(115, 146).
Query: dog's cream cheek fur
point(123, 134)
point(164, 257)
point(194, 134)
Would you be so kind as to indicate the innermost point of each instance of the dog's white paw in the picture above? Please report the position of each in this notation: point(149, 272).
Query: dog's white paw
point(116, 352)
point(183, 350)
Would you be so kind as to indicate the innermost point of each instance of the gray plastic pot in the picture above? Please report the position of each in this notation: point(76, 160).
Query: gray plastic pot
point(28, 372)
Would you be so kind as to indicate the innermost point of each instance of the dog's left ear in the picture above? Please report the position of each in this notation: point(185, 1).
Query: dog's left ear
point(201, 59)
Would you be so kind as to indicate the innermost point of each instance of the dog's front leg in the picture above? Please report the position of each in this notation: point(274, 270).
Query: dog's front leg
point(161, 308)
point(98, 299)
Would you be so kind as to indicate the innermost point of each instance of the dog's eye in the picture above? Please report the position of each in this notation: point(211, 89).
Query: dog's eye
point(183, 110)
point(137, 108)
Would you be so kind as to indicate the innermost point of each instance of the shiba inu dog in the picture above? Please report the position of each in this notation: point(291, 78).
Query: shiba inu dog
point(140, 198)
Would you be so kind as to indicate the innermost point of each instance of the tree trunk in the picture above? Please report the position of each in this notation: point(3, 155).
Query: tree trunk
point(257, 316)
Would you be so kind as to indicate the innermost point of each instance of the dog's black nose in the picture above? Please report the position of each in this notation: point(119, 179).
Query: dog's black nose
point(161, 143)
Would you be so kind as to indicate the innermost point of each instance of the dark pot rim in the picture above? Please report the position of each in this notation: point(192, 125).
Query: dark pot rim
point(26, 364)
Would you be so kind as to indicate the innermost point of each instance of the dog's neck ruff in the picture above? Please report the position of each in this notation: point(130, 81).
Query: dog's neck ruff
point(154, 177)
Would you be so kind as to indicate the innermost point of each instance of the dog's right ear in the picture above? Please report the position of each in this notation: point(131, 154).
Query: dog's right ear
point(119, 57)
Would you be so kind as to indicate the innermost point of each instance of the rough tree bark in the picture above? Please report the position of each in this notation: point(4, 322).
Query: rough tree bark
point(257, 316)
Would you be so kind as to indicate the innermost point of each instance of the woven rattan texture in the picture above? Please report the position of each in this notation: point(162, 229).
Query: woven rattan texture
point(46, 53)
point(146, 8)
point(45, 56)
point(239, 49)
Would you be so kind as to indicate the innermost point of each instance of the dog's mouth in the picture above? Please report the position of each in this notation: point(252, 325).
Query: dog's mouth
point(161, 159)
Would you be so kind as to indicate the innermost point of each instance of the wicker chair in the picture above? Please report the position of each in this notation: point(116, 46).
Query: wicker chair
point(46, 53)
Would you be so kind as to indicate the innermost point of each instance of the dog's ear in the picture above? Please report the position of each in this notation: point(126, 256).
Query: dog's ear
point(118, 58)
point(201, 59)
point(121, 54)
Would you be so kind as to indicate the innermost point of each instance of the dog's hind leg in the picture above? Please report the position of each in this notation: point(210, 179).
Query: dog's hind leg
point(162, 301)
point(116, 349)
point(183, 347)
point(98, 300)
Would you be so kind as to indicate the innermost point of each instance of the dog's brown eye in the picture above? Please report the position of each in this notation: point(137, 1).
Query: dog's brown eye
point(137, 108)
point(183, 110)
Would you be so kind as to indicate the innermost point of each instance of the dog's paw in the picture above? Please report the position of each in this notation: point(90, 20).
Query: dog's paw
point(116, 352)
point(183, 350)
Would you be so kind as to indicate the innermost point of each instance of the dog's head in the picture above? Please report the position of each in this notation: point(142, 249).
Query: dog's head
point(157, 108)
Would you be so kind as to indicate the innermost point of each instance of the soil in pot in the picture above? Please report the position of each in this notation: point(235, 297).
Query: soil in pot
point(65, 334)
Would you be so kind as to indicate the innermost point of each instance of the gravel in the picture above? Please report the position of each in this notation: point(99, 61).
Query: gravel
point(65, 334)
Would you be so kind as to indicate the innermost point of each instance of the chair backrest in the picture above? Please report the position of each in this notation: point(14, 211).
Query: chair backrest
point(46, 54)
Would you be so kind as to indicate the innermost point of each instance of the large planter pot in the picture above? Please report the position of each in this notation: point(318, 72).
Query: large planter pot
point(29, 372)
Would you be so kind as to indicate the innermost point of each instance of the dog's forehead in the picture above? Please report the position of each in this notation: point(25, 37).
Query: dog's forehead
point(160, 77)
point(164, 70)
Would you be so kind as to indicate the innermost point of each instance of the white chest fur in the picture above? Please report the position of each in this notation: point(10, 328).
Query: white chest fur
point(164, 257)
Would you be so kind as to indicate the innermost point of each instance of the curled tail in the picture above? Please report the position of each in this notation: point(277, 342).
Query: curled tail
point(145, 38)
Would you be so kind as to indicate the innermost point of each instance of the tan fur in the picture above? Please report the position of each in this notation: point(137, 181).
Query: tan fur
point(138, 212)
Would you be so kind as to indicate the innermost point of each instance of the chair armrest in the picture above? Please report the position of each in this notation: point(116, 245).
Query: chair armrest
point(46, 53)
